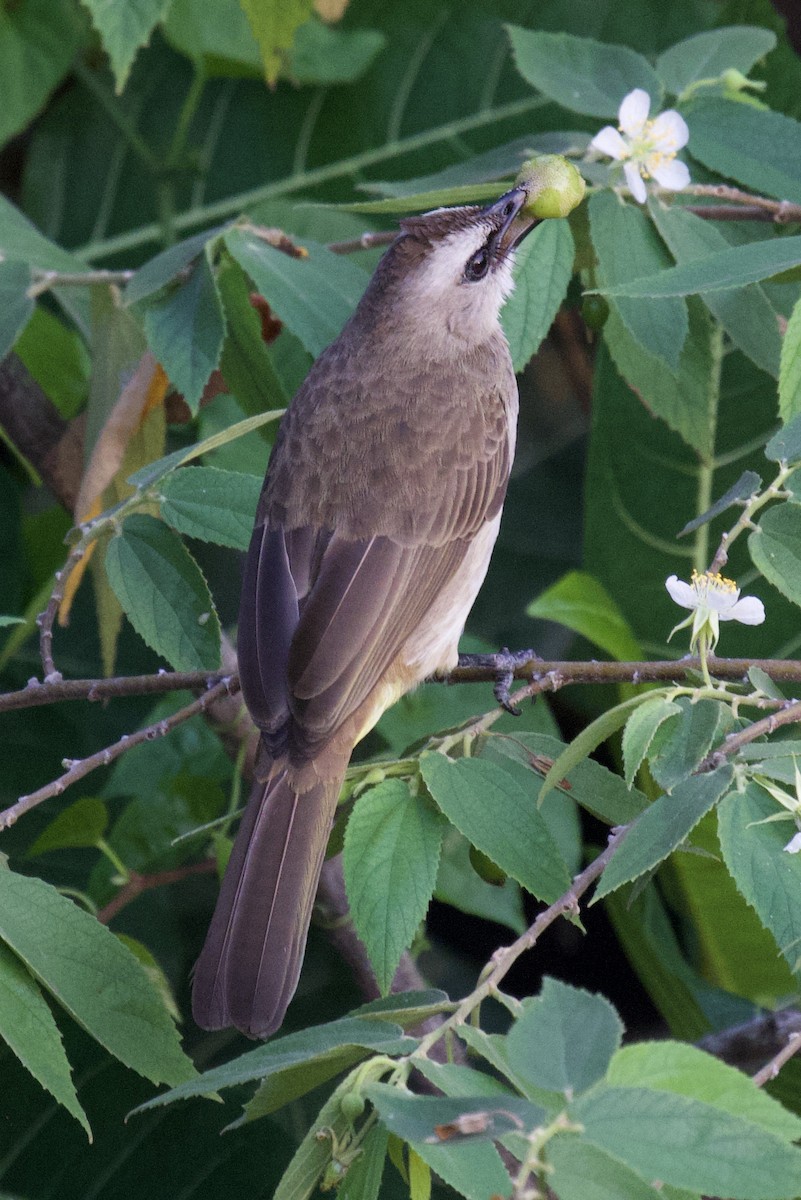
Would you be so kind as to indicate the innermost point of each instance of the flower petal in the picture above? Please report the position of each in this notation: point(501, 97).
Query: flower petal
point(748, 611)
point(635, 182)
point(669, 132)
point(681, 592)
point(794, 844)
point(608, 141)
point(633, 112)
point(722, 600)
point(673, 175)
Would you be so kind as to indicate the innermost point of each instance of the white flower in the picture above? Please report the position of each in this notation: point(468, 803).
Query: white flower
point(646, 148)
point(712, 599)
point(791, 803)
point(794, 844)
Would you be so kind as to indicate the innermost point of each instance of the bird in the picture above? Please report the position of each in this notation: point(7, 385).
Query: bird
point(373, 534)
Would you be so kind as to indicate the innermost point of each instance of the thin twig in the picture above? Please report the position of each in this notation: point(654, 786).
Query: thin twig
point(79, 768)
point(771, 1069)
point(136, 884)
point(505, 957)
point(37, 693)
point(43, 281)
point(46, 619)
point(783, 210)
point(730, 212)
point(735, 741)
point(367, 241)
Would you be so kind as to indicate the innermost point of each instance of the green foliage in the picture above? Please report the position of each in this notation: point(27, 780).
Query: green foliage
point(215, 165)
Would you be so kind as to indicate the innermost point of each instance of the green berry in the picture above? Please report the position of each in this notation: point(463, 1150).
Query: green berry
point(483, 866)
point(555, 186)
point(594, 310)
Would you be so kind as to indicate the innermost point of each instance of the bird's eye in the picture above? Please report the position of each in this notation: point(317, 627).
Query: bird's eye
point(478, 265)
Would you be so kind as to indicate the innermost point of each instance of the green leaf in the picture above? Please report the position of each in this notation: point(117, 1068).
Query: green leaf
point(581, 1171)
point(210, 504)
point(590, 739)
point(58, 359)
point(314, 1153)
point(454, 1079)
point(123, 28)
point(459, 885)
point(627, 246)
point(746, 314)
point(640, 730)
point(165, 267)
point(790, 368)
point(677, 748)
point(733, 267)
point(218, 37)
point(323, 55)
point(785, 445)
point(757, 147)
point(663, 827)
point(38, 40)
point(155, 471)
point(246, 363)
point(580, 74)
point(391, 856)
point(185, 329)
point(321, 1050)
point(768, 877)
point(565, 1038)
point(707, 55)
point(415, 1118)
point(494, 813)
point(313, 295)
point(16, 306)
point(494, 1049)
point(688, 1071)
point(164, 595)
point(542, 271)
point(689, 1144)
point(27, 1026)
point(581, 603)
point(80, 824)
point(407, 1008)
point(681, 400)
point(274, 24)
point(471, 1166)
point(775, 547)
point(363, 1178)
point(92, 975)
point(402, 203)
point(745, 487)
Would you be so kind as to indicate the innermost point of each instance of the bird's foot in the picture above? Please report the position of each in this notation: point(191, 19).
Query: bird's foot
point(504, 665)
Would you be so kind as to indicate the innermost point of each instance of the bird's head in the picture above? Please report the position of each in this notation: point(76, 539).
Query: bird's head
point(448, 274)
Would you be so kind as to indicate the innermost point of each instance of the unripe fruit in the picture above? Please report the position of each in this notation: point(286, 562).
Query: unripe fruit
point(555, 186)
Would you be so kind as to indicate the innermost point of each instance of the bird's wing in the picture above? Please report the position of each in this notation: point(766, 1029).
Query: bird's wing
point(325, 614)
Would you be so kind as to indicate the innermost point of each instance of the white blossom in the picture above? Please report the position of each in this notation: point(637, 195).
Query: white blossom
point(712, 599)
point(647, 148)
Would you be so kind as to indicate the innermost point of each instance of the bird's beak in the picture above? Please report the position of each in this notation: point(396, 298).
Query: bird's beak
point(516, 224)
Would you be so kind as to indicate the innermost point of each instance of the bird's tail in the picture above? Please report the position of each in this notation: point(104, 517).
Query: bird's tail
point(248, 968)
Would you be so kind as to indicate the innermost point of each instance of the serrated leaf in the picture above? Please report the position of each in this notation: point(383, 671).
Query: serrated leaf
point(27, 1026)
point(785, 445)
point(38, 40)
point(677, 1067)
point(733, 267)
point(745, 313)
point(565, 1038)
point(494, 813)
point(790, 368)
point(459, 885)
point(332, 1045)
point(754, 146)
point(164, 268)
point(246, 364)
point(707, 55)
point(164, 595)
point(155, 471)
point(768, 877)
point(581, 1171)
point(581, 603)
point(16, 306)
point(663, 827)
point(123, 28)
point(582, 75)
point(456, 1079)
point(406, 1008)
point(748, 483)
point(274, 24)
point(763, 683)
point(590, 739)
point(471, 1166)
point(391, 856)
point(775, 547)
point(313, 295)
point(677, 749)
point(363, 1178)
point(542, 271)
point(627, 246)
point(91, 974)
point(640, 729)
point(322, 55)
point(314, 1153)
point(689, 1144)
point(80, 824)
point(682, 400)
point(211, 504)
point(185, 330)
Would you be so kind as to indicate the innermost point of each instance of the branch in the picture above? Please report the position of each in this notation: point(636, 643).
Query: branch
point(781, 211)
point(136, 884)
point(734, 741)
point(35, 693)
point(772, 1068)
point(79, 768)
point(747, 1046)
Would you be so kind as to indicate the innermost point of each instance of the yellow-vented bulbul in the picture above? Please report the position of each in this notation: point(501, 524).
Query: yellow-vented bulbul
point(374, 531)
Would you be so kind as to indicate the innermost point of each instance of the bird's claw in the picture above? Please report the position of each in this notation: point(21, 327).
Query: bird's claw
point(504, 665)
